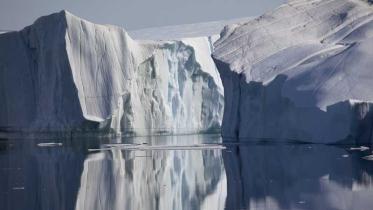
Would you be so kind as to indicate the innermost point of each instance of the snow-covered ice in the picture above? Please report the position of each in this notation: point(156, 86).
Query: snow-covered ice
point(65, 74)
point(300, 72)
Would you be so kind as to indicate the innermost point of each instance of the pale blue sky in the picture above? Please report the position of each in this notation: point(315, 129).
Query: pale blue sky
point(132, 14)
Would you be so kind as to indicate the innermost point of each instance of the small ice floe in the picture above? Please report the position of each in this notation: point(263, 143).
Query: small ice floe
point(106, 147)
point(143, 156)
point(325, 177)
point(119, 145)
point(362, 148)
point(186, 147)
point(369, 157)
point(145, 147)
point(18, 188)
point(50, 144)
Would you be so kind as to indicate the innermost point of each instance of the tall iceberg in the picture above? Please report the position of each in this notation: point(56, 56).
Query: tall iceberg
point(302, 72)
point(65, 74)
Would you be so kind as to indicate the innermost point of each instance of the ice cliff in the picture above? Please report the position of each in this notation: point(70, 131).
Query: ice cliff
point(301, 72)
point(65, 74)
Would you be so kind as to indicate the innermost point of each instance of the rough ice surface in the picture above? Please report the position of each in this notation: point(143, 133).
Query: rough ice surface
point(65, 74)
point(300, 72)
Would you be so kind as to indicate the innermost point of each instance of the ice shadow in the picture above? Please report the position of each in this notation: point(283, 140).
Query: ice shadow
point(265, 113)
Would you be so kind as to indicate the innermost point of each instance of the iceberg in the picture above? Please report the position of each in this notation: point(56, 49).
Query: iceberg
point(302, 72)
point(64, 74)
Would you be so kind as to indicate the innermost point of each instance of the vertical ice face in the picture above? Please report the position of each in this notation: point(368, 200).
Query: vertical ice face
point(66, 74)
point(37, 87)
point(175, 90)
point(300, 72)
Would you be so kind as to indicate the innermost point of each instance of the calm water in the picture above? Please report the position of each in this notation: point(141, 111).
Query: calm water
point(185, 172)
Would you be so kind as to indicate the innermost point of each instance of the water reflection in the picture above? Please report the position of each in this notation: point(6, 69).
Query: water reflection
point(315, 177)
point(39, 178)
point(65, 175)
point(120, 179)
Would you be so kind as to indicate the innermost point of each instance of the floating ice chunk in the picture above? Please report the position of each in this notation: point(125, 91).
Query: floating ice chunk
point(362, 148)
point(50, 144)
point(144, 147)
point(18, 188)
point(369, 157)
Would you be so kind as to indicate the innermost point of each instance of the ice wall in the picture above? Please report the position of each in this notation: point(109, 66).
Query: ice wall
point(65, 74)
point(302, 72)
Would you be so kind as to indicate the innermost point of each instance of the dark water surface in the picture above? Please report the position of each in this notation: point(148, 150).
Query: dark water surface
point(182, 172)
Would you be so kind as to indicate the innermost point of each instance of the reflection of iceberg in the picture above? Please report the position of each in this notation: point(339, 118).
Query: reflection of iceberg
point(120, 179)
point(65, 178)
point(297, 177)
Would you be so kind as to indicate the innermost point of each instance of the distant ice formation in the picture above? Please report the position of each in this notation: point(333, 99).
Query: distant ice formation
point(301, 72)
point(65, 74)
point(205, 29)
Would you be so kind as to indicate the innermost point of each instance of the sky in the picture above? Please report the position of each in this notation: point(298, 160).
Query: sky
point(132, 14)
